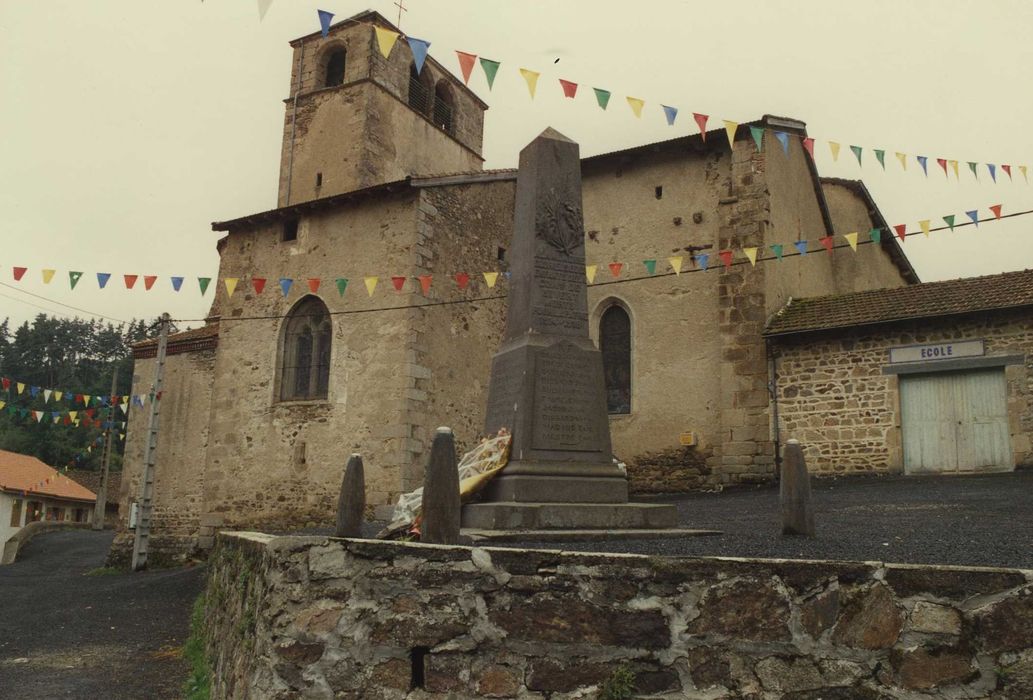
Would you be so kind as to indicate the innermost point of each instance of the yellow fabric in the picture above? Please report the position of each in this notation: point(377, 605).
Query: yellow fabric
point(676, 262)
point(371, 284)
point(491, 278)
point(730, 129)
point(636, 105)
point(851, 238)
point(48, 275)
point(834, 147)
point(902, 157)
point(531, 77)
point(924, 223)
point(385, 40)
point(751, 255)
point(231, 285)
point(590, 271)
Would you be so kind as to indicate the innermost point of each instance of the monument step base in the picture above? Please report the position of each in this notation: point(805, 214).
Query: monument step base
point(608, 535)
point(520, 488)
point(570, 516)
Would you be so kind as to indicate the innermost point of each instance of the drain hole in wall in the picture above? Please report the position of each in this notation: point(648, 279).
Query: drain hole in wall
point(419, 667)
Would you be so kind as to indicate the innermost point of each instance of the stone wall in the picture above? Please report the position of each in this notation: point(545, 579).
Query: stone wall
point(835, 399)
point(320, 618)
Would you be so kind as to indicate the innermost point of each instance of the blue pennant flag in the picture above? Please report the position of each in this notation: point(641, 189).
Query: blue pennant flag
point(102, 278)
point(55, 414)
point(703, 260)
point(507, 274)
point(324, 21)
point(177, 282)
point(993, 171)
point(671, 113)
point(974, 215)
point(285, 285)
point(922, 160)
point(419, 49)
point(783, 138)
point(33, 391)
point(801, 246)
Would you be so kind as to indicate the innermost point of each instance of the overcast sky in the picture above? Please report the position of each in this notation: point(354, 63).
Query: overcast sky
point(129, 125)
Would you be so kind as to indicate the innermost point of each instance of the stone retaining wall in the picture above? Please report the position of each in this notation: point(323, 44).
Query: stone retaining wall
point(312, 617)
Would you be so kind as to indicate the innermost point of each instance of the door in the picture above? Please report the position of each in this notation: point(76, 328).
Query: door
point(955, 422)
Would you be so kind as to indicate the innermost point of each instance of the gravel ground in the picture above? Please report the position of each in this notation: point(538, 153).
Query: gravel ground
point(64, 634)
point(968, 520)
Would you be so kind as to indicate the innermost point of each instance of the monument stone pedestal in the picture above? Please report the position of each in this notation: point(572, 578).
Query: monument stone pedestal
point(547, 386)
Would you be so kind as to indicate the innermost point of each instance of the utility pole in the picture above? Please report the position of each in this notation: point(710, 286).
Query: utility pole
point(143, 516)
point(102, 494)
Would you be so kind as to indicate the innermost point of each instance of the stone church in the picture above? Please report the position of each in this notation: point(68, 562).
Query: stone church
point(381, 174)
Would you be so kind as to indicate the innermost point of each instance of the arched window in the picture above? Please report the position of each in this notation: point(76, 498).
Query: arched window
point(334, 74)
point(615, 345)
point(443, 106)
point(419, 90)
point(305, 355)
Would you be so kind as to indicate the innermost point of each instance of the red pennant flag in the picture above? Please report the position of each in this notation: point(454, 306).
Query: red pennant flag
point(827, 242)
point(701, 122)
point(726, 258)
point(130, 280)
point(466, 61)
point(313, 284)
point(398, 282)
point(808, 144)
point(148, 281)
point(68, 419)
point(91, 412)
point(942, 162)
point(425, 283)
point(258, 283)
point(19, 272)
point(901, 230)
point(1007, 169)
point(569, 88)
point(7, 383)
point(996, 209)
point(615, 268)
point(462, 279)
point(79, 398)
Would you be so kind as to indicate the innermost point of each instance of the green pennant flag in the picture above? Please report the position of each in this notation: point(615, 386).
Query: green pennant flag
point(203, 282)
point(342, 284)
point(602, 97)
point(650, 266)
point(777, 249)
point(857, 152)
point(758, 136)
point(972, 167)
point(490, 68)
point(875, 234)
point(949, 221)
point(73, 278)
point(881, 157)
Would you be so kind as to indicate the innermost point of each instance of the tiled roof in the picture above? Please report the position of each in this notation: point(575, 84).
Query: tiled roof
point(930, 299)
point(203, 338)
point(90, 479)
point(20, 472)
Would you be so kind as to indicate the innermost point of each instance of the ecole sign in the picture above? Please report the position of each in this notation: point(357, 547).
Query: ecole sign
point(937, 351)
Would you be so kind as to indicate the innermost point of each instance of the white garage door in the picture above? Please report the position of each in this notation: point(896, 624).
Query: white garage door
point(955, 422)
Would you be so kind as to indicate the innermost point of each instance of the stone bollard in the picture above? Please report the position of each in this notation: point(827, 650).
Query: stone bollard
point(795, 493)
point(441, 506)
point(351, 505)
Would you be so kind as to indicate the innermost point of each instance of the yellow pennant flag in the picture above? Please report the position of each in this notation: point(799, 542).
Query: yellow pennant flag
point(490, 278)
point(2, 404)
point(954, 167)
point(21, 387)
point(834, 147)
point(532, 80)
point(902, 157)
point(851, 238)
point(590, 272)
point(730, 129)
point(675, 264)
point(73, 415)
point(1025, 177)
point(751, 255)
point(231, 284)
point(371, 284)
point(58, 395)
point(48, 275)
point(385, 40)
point(636, 105)
point(924, 223)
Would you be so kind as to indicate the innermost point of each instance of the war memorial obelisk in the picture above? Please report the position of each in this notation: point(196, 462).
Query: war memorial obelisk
point(547, 385)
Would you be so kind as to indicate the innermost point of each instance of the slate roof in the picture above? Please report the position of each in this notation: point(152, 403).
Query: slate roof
point(926, 300)
point(203, 338)
point(20, 472)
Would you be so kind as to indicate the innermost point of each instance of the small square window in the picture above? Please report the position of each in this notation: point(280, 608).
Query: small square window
point(290, 230)
point(659, 192)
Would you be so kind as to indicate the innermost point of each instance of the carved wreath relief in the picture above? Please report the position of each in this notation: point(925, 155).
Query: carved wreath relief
point(562, 226)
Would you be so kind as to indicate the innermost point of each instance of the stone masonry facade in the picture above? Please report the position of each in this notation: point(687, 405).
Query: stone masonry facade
point(834, 397)
point(312, 617)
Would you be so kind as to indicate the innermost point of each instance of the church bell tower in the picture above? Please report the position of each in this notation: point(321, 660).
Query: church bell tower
point(355, 119)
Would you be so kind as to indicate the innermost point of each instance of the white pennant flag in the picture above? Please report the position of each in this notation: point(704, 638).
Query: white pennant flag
point(263, 7)
point(46, 395)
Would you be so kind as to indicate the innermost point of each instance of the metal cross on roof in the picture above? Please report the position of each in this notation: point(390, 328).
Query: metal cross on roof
point(401, 8)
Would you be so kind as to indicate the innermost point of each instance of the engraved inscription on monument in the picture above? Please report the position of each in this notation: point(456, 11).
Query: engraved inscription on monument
point(565, 400)
point(507, 379)
point(558, 303)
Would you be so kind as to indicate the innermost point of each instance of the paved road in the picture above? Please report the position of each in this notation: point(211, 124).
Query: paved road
point(967, 520)
point(67, 635)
